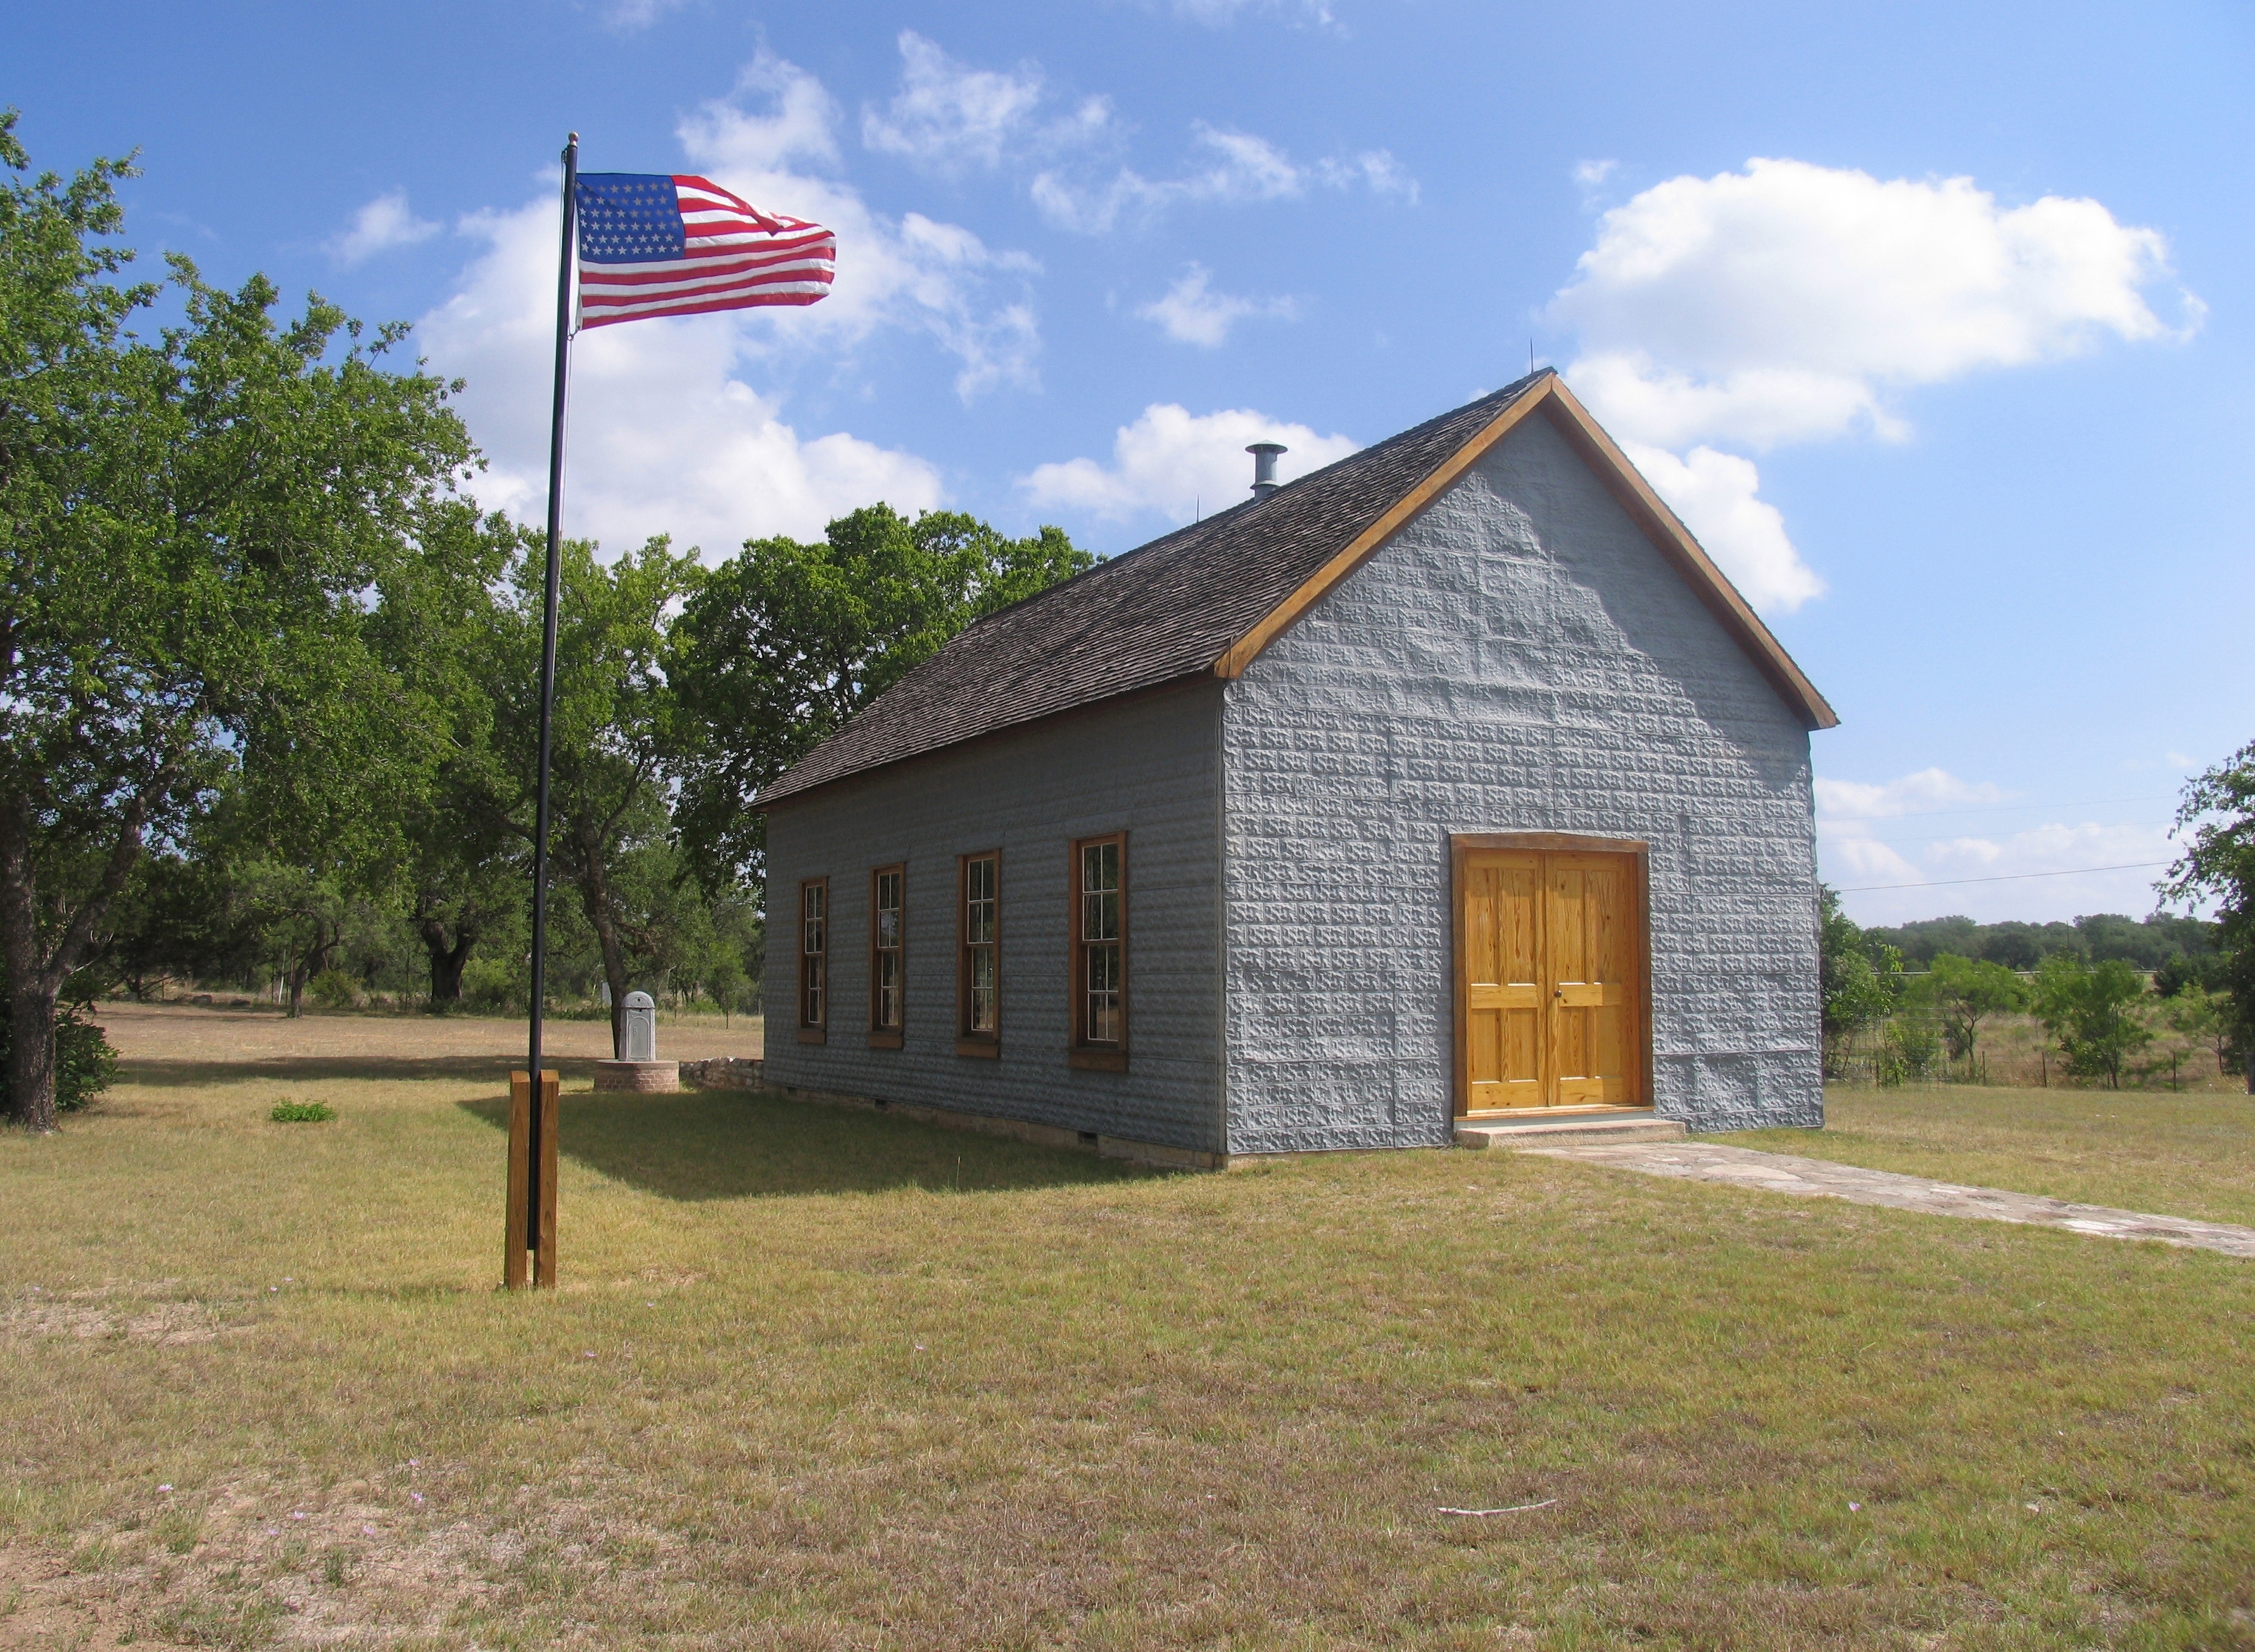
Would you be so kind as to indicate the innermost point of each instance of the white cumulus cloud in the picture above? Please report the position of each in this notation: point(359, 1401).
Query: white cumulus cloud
point(937, 278)
point(1926, 791)
point(1173, 463)
point(1930, 843)
point(1216, 14)
point(629, 15)
point(384, 222)
point(1193, 313)
point(948, 118)
point(1225, 167)
point(668, 433)
point(1718, 497)
point(1791, 302)
point(664, 437)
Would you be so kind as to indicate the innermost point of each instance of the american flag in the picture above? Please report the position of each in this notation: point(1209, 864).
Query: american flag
point(651, 244)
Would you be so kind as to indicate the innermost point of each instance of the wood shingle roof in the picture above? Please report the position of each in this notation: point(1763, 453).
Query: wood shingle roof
point(1204, 600)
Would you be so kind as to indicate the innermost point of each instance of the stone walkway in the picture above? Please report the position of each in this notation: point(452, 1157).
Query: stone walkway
point(1819, 1178)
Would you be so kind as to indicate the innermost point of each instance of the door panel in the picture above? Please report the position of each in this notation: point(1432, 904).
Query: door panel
point(1552, 984)
point(1503, 995)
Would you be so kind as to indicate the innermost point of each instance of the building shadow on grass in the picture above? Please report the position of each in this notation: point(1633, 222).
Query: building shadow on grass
point(709, 1144)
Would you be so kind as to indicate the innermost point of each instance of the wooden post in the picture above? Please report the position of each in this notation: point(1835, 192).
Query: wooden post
point(531, 1218)
point(520, 1182)
point(543, 1255)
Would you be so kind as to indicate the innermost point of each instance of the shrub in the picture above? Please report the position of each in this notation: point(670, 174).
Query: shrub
point(334, 989)
point(302, 1113)
point(85, 1063)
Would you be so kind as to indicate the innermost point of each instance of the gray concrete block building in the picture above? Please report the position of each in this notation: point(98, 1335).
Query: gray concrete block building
point(1450, 782)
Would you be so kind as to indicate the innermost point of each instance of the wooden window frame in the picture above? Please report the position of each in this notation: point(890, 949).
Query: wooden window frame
point(881, 1036)
point(1559, 842)
point(813, 1031)
point(1110, 1056)
point(985, 1046)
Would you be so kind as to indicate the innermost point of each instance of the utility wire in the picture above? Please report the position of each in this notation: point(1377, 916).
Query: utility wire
point(2002, 877)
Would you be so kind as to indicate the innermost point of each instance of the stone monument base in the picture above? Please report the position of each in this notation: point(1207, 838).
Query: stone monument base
point(645, 1078)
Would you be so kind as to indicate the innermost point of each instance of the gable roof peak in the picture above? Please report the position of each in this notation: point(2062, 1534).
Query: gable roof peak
point(1207, 598)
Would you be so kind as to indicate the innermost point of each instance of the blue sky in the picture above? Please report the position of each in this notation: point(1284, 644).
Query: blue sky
point(1932, 320)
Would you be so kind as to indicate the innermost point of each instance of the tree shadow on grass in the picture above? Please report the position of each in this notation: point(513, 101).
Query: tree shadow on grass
point(172, 1075)
point(709, 1144)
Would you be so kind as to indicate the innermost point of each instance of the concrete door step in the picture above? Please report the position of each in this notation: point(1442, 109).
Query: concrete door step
point(1552, 1130)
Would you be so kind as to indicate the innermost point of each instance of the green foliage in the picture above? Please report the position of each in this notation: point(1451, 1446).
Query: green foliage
point(85, 1062)
point(1961, 994)
point(1910, 1050)
point(2094, 1012)
point(786, 641)
point(2161, 941)
point(1858, 981)
point(2217, 821)
point(189, 528)
point(2201, 1016)
point(302, 1113)
point(334, 989)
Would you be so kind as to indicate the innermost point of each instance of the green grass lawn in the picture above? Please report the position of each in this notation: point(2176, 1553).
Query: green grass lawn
point(827, 1380)
point(2190, 1154)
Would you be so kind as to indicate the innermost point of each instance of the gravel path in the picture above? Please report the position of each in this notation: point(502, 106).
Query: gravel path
point(1819, 1178)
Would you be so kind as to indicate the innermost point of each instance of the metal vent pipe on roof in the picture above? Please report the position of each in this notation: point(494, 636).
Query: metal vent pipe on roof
point(1264, 468)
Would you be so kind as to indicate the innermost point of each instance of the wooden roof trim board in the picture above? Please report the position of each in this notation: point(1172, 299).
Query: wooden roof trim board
point(1659, 525)
point(1360, 550)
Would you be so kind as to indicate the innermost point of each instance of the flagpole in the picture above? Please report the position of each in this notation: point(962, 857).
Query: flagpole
point(548, 679)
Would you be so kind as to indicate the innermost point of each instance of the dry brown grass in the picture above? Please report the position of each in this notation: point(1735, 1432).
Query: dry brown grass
point(2189, 1154)
point(824, 1380)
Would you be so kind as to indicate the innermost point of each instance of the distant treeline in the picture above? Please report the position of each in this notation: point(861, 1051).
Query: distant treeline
point(2175, 950)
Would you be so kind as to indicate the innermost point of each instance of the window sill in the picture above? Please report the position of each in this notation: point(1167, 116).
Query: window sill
point(1098, 1060)
point(884, 1041)
point(814, 1034)
point(985, 1049)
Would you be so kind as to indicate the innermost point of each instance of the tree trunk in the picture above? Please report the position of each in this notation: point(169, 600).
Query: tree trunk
point(312, 962)
point(35, 978)
point(447, 961)
point(595, 899)
point(32, 1056)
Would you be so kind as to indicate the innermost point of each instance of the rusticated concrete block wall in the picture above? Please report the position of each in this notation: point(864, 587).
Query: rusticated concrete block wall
point(1518, 658)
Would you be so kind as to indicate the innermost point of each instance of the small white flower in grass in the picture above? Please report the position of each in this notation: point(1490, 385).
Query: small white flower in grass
point(417, 1496)
point(297, 1516)
point(368, 1531)
point(272, 1531)
point(1855, 1508)
point(588, 1355)
point(164, 1489)
point(274, 1286)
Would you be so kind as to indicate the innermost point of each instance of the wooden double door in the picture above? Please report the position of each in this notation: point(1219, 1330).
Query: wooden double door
point(1551, 957)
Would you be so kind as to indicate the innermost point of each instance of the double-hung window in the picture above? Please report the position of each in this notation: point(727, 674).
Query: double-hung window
point(887, 942)
point(978, 966)
point(813, 961)
point(1100, 952)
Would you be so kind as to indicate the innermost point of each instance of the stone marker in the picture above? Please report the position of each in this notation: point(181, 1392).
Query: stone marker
point(638, 1031)
point(638, 1067)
